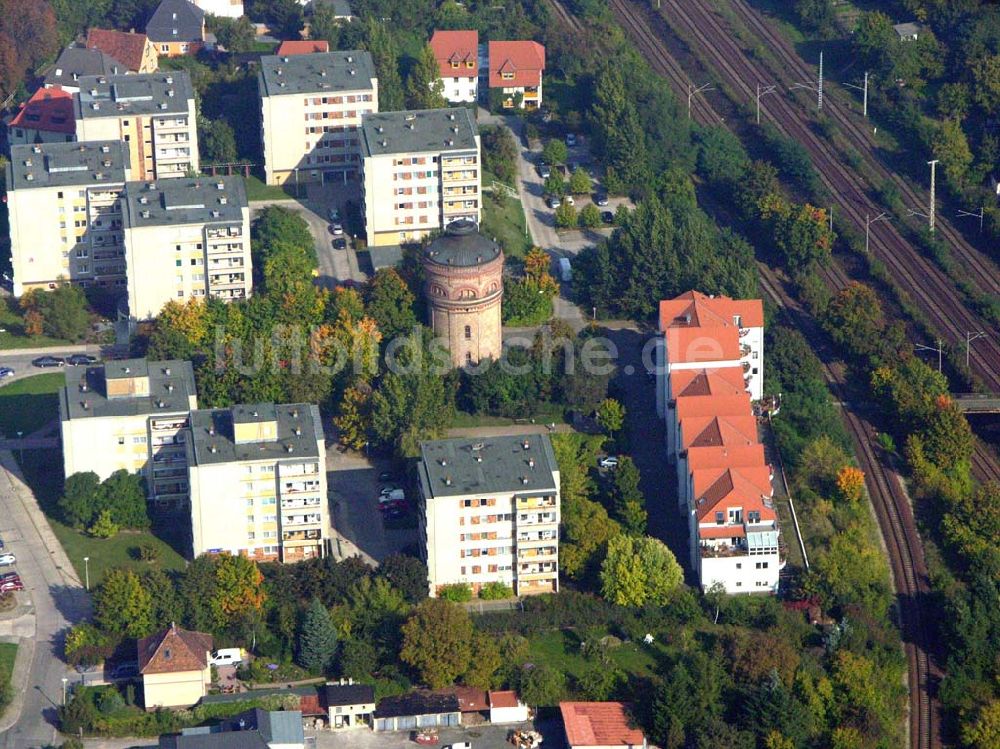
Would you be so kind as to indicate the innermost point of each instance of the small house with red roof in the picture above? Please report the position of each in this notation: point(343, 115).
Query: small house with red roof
point(132, 50)
point(457, 55)
point(47, 117)
point(600, 725)
point(506, 707)
point(174, 665)
point(302, 47)
point(515, 74)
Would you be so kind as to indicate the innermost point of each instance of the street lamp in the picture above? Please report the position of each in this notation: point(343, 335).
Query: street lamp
point(20, 447)
point(939, 349)
point(86, 571)
point(970, 336)
point(64, 680)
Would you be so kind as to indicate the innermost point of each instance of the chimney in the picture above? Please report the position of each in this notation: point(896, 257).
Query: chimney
point(213, 449)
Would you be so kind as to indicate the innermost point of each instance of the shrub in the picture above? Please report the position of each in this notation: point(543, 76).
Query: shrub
point(496, 591)
point(457, 593)
point(590, 216)
point(145, 552)
point(565, 216)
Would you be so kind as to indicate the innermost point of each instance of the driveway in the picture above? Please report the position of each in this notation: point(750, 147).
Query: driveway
point(58, 601)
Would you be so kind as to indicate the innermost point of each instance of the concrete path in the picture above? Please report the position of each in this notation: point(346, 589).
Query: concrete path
point(57, 601)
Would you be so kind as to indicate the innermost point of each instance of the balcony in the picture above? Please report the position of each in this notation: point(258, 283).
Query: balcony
point(310, 535)
point(540, 537)
point(744, 332)
point(722, 550)
point(531, 503)
point(301, 487)
point(544, 553)
point(744, 350)
point(292, 504)
point(542, 518)
point(311, 519)
point(534, 587)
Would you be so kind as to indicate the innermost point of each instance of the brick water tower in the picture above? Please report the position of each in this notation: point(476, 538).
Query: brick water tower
point(464, 287)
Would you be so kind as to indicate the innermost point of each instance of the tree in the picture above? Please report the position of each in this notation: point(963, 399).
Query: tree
point(317, 641)
point(638, 571)
point(122, 605)
point(437, 642)
point(874, 43)
point(358, 660)
point(424, 87)
point(389, 301)
point(216, 139)
point(80, 498)
point(103, 526)
point(851, 483)
point(590, 216)
point(565, 216)
point(324, 25)
point(353, 422)
point(627, 499)
point(542, 686)
point(619, 138)
point(854, 318)
point(385, 53)
point(27, 37)
point(611, 416)
point(986, 74)
point(123, 495)
point(579, 181)
point(555, 152)
point(984, 731)
point(499, 152)
point(953, 100)
point(483, 663)
point(63, 311)
point(236, 34)
point(952, 148)
point(407, 574)
point(238, 594)
point(275, 225)
point(554, 185)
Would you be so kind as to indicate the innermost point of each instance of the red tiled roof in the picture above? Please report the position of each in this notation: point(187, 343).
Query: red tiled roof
point(172, 650)
point(702, 344)
point(722, 531)
point(456, 46)
point(706, 311)
point(470, 699)
point(722, 457)
point(718, 430)
point(715, 381)
point(598, 724)
point(745, 487)
point(303, 47)
point(526, 60)
point(708, 405)
point(504, 699)
point(126, 47)
point(48, 109)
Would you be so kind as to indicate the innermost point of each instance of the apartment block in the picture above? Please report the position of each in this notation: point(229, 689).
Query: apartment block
point(258, 482)
point(311, 110)
point(186, 238)
point(421, 172)
point(65, 218)
point(153, 113)
point(130, 414)
point(457, 55)
point(489, 512)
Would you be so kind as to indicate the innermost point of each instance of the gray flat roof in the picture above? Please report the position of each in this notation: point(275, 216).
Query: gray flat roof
point(162, 93)
point(450, 468)
point(214, 428)
point(185, 200)
point(417, 131)
point(170, 384)
point(98, 162)
point(324, 72)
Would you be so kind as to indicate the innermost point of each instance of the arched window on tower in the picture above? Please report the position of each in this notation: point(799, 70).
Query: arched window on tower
point(468, 332)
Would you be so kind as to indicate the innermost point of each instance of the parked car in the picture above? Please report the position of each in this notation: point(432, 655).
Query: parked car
point(396, 495)
point(460, 745)
point(340, 243)
point(81, 359)
point(6, 372)
point(544, 171)
point(9, 586)
point(570, 139)
point(601, 199)
point(125, 670)
point(6, 560)
point(10, 576)
point(608, 461)
point(607, 217)
point(337, 228)
point(49, 361)
point(227, 657)
point(554, 202)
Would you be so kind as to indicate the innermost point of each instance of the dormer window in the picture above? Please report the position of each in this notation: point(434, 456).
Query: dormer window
point(507, 76)
point(470, 64)
point(455, 65)
point(737, 321)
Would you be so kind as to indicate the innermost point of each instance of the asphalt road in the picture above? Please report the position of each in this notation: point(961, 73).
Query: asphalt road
point(20, 360)
point(58, 601)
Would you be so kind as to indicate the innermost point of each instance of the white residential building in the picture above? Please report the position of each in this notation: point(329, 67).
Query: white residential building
point(421, 173)
point(222, 8)
point(489, 512)
point(130, 414)
point(457, 55)
point(311, 110)
point(258, 482)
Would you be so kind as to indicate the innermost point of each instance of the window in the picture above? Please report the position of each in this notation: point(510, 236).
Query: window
point(720, 518)
point(178, 262)
point(739, 585)
point(739, 565)
point(250, 502)
point(468, 357)
point(250, 536)
point(121, 440)
point(59, 195)
point(454, 65)
point(468, 332)
point(138, 440)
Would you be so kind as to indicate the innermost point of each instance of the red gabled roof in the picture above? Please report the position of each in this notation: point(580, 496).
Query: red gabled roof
point(504, 699)
point(710, 311)
point(722, 531)
point(599, 724)
point(303, 47)
point(722, 457)
point(702, 345)
point(48, 109)
point(718, 430)
point(713, 381)
point(708, 405)
point(172, 650)
point(526, 60)
point(718, 488)
point(126, 47)
point(456, 46)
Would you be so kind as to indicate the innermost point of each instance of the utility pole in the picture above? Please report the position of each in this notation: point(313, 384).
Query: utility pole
point(981, 213)
point(970, 336)
point(868, 225)
point(939, 349)
point(762, 92)
point(692, 91)
point(831, 219)
point(819, 88)
point(864, 92)
point(930, 213)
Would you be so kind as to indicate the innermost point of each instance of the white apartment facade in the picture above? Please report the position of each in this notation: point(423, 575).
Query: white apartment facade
point(422, 171)
point(64, 207)
point(131, 415)
point(258, 482)
point(222, 8)
point(186, 238)
point(311, 110)
point(457, 55)
point(153, 113)
point(489, 512)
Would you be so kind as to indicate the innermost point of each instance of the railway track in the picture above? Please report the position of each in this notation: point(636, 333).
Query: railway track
point(983, 271)
point(918, 277)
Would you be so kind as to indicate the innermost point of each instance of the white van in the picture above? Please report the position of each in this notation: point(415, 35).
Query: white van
point(227, 656)
point(396, 495)
point(565, 269)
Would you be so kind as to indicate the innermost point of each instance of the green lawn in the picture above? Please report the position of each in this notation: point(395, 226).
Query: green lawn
point(26, 405)
point(257, 190)
point(506, 222)
point(8, 652)
point(14, 337)
point(42, 471)
point(546, 413)
point(560, 650)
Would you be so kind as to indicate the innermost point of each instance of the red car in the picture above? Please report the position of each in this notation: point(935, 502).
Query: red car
point(11, 585)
